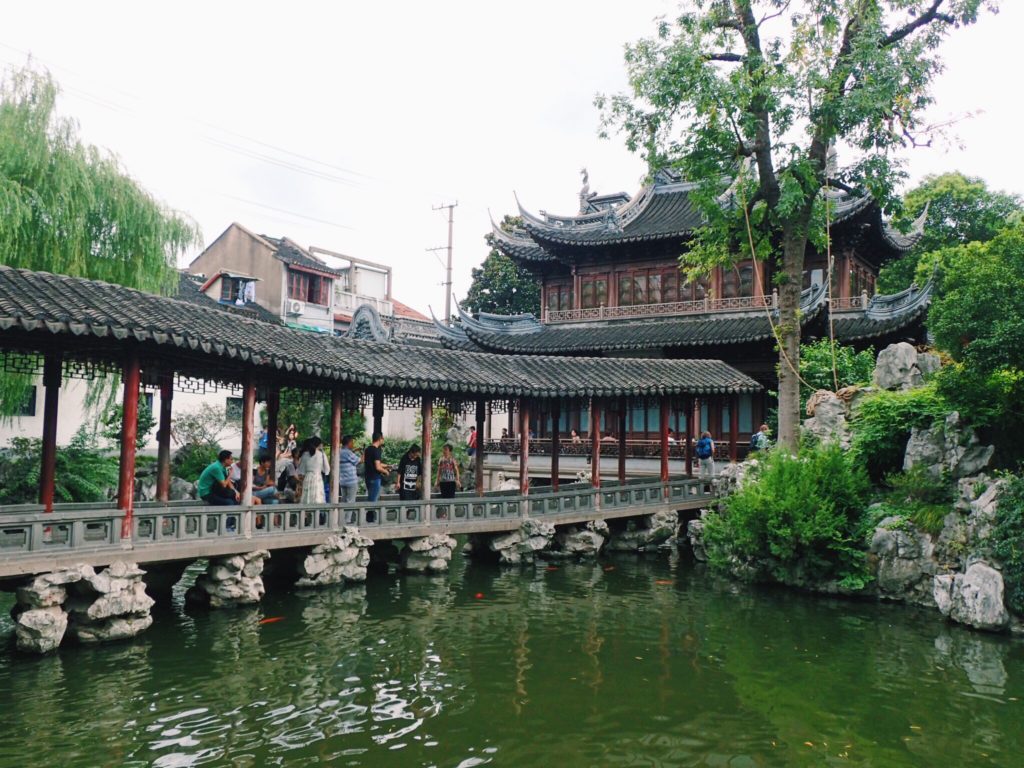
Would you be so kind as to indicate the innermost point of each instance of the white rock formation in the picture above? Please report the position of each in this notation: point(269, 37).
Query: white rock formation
point(523, 544)
point(428, 553)
point(645, 532)
point(230, 581)
point(974, 597)
point(828, 420)
point(342, 558)
point(947, 447)
point(579, 541)
point(900, 366)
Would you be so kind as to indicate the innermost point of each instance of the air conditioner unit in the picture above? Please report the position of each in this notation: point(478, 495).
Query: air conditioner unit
point(295, 307)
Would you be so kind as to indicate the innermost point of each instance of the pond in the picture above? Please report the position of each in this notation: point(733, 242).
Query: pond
point(624, 662)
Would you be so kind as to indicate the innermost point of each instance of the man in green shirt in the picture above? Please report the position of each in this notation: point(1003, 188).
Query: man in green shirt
point(214, 487)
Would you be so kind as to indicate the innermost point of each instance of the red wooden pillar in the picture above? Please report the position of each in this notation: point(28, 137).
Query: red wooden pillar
point(478, 467)
point(524, 446)
point(248, 443)
point(690, 409)
point(335, 443)
point(664, 438)
point(428, 434)
point(273, 411)
point(622, 440)
point(556, 443)
point(131, 374)
point(734, 427)
point(595, 442)
point(163, 438)
point(378, 413)
point(52, 369)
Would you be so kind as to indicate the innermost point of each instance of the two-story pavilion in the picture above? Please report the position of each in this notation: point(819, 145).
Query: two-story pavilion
point(612, 286)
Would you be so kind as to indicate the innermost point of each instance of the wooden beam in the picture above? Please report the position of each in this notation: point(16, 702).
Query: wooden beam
point(691, 409)
point(622, 439)
point(556, 442)
point(595, 442)
point(664, 438)
point(248, 441)
point(52, 372)
point(335, 443)
point(131, 375)
point(478, 467)
point(378, 413)
point(273, 412)
point(734, 427)
point(524, 446)
point(427, 413)
point(163, 437)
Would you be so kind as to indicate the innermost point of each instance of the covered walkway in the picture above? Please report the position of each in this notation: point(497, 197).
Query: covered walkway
point(63, 326)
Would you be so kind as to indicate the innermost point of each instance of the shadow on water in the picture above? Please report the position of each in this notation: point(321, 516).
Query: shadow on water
point(627, 661)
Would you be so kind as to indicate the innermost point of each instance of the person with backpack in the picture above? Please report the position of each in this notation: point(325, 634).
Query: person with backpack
point(759, 441)
point(705, 450)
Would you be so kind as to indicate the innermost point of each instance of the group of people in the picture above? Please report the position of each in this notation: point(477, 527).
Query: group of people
point(705, 449)
point(303, 477)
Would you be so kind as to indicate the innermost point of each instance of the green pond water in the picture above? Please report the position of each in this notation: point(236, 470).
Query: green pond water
point(626, 662)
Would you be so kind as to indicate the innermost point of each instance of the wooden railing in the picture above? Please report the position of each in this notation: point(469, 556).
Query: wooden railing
point(739, 303)
point(635, 448)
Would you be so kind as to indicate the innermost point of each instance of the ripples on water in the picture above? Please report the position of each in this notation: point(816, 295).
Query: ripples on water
point(627, 662)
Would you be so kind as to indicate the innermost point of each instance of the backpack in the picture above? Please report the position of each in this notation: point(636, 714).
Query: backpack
point(755, 441)
point(704, 448)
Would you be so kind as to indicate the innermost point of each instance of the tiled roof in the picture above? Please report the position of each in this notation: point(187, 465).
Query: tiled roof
point(290, 253)
point(189, 290)
point(38, 309)
point(404, 310)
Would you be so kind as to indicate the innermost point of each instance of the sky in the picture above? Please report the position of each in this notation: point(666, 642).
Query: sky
point(342, 125)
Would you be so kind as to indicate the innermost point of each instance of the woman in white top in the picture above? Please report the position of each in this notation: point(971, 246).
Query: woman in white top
point(312, 469)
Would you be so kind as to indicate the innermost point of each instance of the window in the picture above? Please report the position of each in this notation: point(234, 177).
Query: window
point(625, 291)
point(230, 287)
point(28, 405)
point(233, 409)
point(695, 291)
point(654, 289)
point(313, 289)
point(558, 296)
point(593, 292)
point(670, 287)
point(738, 281)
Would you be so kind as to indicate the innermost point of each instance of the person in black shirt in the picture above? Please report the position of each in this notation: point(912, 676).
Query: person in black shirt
point(410, 469)
point(375, 468)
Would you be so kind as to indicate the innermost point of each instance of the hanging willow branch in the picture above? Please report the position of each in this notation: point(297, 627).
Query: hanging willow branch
point(70, 208)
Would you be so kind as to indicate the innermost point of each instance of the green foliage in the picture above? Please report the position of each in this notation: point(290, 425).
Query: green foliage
point(882, 422)
point(802, 519)
point(312, 417)
point(198, 432)
point(70, 208)
point(961, 209)
point(922, 498)
point(84, 472)
point(1007, 542)
point(192, 458)
point(499, 285)
point(816, 368)
point(747, 111)
point(112, 425)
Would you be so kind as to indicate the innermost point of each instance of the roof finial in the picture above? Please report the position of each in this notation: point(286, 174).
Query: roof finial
point(585, 191)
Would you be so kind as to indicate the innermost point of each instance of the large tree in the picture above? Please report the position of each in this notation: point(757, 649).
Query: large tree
point(500, 285)
point(961, 209)
point(747, 98)
point(70, 208)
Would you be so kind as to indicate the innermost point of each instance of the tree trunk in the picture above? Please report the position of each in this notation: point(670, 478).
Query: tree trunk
point(794, 243)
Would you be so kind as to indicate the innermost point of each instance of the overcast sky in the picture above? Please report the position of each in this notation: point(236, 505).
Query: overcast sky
point(340, 125)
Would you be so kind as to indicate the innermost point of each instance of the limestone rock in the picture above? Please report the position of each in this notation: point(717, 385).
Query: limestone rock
point(982, 517)
point(116, 628)
point(947, 447)
point(40, 630)
point(64, 576)
point(732, 477)
point(899, 367)
point(428, 553)
point(181, 490)
point(523, 544)
point(341, 558)
point(828, 421)
point(42, 596)
point(905, 564)
point(974, 597)
point(579, 541)
point(645, 532)
point(695, 535)
point(226, 582)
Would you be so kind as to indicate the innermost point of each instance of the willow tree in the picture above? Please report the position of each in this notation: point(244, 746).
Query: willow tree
point(747, 98)
point(70, 208)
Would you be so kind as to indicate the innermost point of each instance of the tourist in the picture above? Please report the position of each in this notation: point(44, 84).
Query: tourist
point(291, 441)
point(706, 454)
point(287, 481)
point(761, 440)
point(264, 489)
point(471, 442)
point(214, 485)
point(574, 437)
point(410, 472)
point(311, 471)
point(448, 478)
point(375, 469)
point(348, 460)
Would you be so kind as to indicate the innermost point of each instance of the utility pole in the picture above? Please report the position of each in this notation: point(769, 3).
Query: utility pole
point(448, 268)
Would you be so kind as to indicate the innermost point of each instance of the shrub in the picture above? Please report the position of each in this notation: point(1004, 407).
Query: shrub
point(112, 425)
point(851, 366)
point(923, 499)
point(192, 458)
point(84, 472)
point(1007, 542)
point(801, 518)
point(882, 422)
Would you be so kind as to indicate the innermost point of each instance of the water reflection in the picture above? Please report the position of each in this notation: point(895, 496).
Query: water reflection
point(627, 662)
